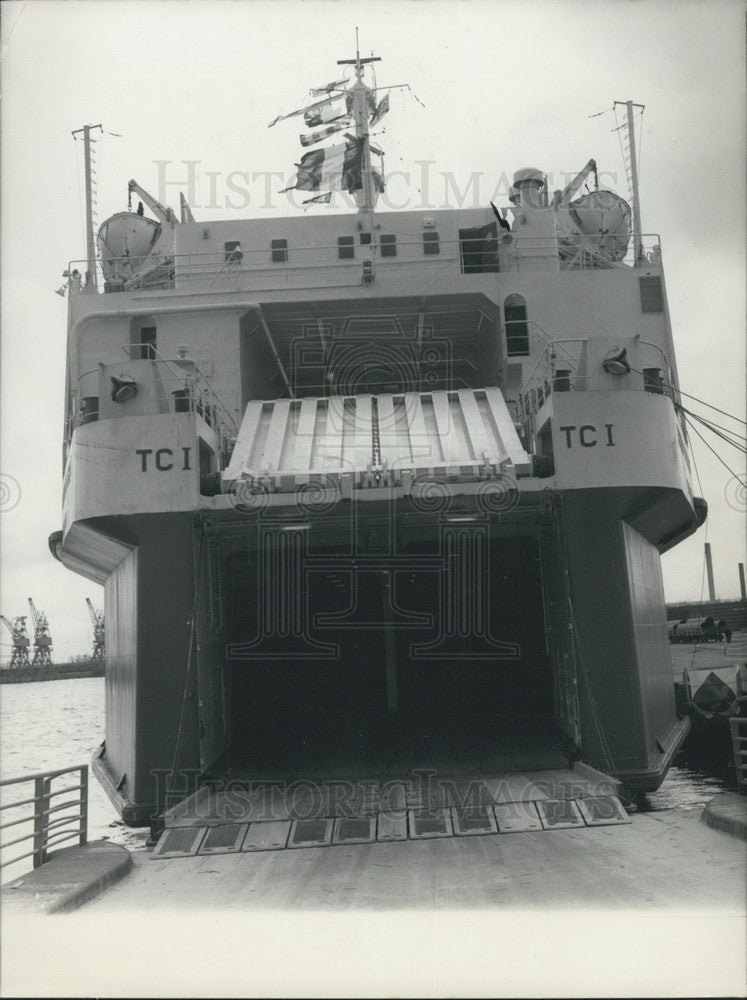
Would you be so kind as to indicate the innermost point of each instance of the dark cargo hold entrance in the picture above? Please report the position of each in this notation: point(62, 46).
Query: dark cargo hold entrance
point(437, 654)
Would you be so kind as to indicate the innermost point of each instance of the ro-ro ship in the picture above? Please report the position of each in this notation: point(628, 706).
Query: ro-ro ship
point(370, 492)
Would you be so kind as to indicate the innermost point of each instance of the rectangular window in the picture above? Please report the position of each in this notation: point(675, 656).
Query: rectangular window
point(652, 296)
point(478, 249)
point(365, 239)
point(279, 251)
point(345, 247)
point(389, 246)
point(233, 252)
point(430, 243)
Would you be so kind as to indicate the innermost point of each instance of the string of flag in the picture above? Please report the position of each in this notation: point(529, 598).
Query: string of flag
point(338, 167)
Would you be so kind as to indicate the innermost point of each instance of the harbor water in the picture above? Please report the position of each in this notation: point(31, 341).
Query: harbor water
point(52, 725)
point(61, 723)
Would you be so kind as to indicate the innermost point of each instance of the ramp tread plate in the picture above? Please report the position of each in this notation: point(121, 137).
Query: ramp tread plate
point(269, 836)
point(602, 810)
point(224, 839)
point(517, 817)
point(427, 823)
point(473, 820)
point(179, 842)
point(513, 789)
point(357, 830)
point(557, 814)
point(391, 826)
point(310, 833)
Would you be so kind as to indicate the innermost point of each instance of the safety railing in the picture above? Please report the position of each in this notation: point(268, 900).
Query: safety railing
point(48, 813)
point(267, 268)
point(557, 370)
point(175, 385)
point(738, 727)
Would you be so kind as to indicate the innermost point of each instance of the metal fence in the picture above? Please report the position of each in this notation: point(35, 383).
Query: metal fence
point(56, 812)
point(738, 728)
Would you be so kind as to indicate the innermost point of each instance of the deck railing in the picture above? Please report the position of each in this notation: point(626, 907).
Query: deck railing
point(309, 266)
point(738, 726)
point(184, 390)
point(48, 813)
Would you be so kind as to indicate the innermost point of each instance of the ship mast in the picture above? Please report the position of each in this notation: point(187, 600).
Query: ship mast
point(90, 236)
point(360, 94)
point(633, 178)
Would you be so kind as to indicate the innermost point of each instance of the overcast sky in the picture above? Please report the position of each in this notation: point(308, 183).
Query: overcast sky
point(503, 84)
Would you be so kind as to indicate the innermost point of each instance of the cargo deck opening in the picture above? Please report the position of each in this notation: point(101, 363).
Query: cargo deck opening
point(436, 657)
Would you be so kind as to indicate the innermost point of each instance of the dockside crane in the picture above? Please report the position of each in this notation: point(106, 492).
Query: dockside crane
point(97, 620)
point(42, 639)
point(17, 629)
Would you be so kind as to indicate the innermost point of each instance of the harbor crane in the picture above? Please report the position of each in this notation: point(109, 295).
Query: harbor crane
point(17, 629)
point(42, 639)
point(97, 620)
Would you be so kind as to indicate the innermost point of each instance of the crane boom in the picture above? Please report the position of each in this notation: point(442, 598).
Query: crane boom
point(564, 196)
point(34, 613)
point(165, 214)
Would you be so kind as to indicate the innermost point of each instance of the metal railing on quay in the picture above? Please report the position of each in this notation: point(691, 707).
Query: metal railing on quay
point(50, 827)
point(218, 270)
point(738, 729)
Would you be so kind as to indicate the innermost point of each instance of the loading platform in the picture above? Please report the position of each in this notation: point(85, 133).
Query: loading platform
point(275, 815)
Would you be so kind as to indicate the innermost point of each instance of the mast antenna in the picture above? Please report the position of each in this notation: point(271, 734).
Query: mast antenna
point(90, 236)
point(360, 95)
point(634, 193)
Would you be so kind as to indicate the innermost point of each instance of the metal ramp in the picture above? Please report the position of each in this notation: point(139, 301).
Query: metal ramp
point(270, 817)
point(350, 442)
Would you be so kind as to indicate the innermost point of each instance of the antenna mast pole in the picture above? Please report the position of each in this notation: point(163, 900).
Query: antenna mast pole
point(90, 242)
point(638, 241)
point(360, 92)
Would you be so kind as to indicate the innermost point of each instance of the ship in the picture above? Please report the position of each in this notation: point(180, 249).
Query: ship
point(374, 492)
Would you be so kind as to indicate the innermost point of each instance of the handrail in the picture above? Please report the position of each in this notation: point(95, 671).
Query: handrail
point(47, 831)
point(200, 396)
point(217, 268)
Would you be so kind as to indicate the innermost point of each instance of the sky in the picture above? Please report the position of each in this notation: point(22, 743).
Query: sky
point(495, 86)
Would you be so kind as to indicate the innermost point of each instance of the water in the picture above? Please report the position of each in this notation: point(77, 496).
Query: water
point(61, 723)
point(56, 724)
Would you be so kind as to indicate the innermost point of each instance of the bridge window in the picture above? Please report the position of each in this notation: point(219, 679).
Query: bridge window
point(232, 249)
point(479, 249)
point(431, 243)
point(388, 246)
point(517, 328)
point(279, 249)
point(345, 247)
point(365, 239)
